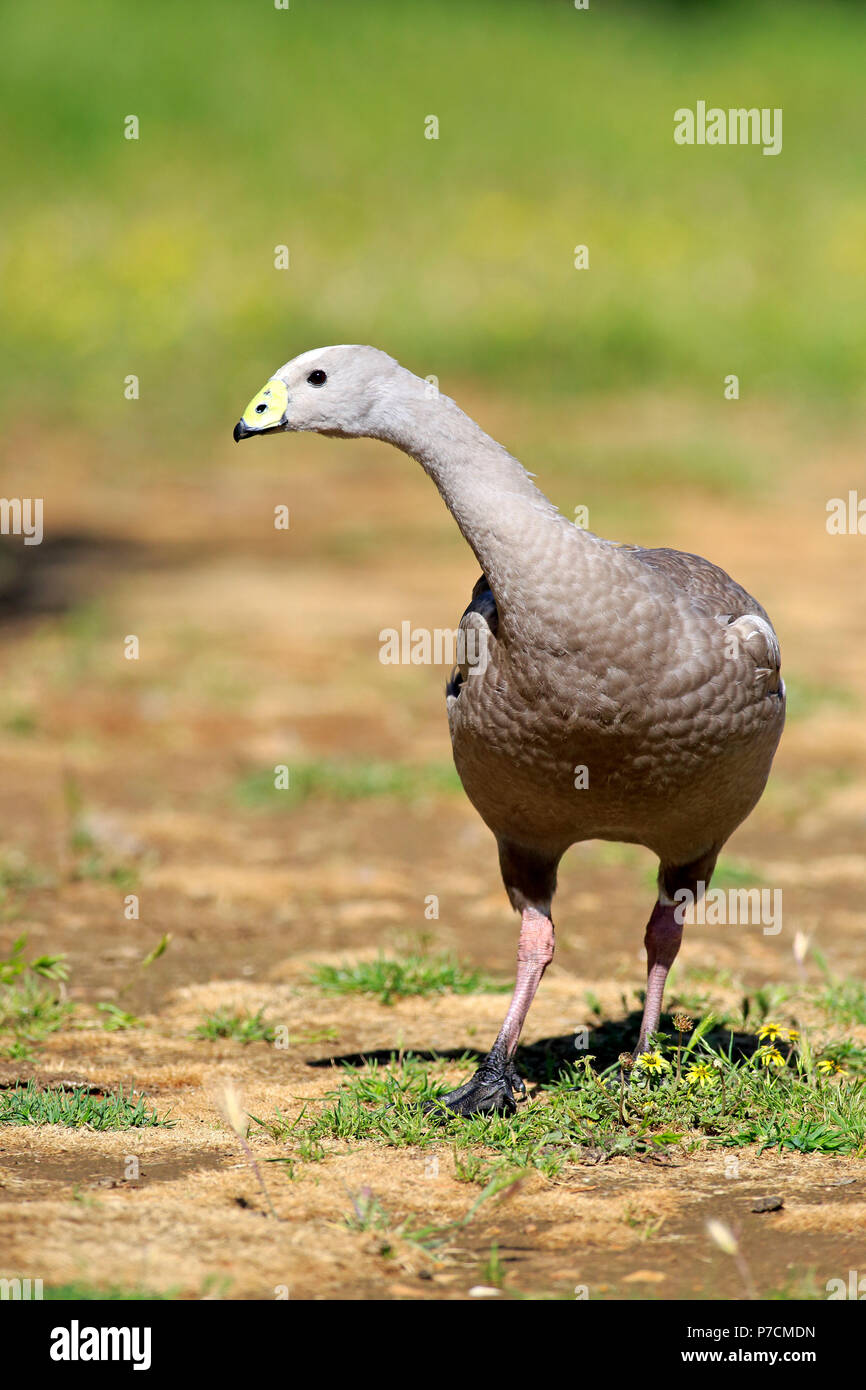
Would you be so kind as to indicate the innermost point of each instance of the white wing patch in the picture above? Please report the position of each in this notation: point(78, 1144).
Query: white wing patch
point(760, 642)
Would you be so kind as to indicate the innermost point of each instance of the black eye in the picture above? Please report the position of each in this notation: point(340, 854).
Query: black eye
point(260, 409)
point(317, 378)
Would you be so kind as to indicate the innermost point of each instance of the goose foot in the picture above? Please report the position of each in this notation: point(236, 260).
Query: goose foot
point(493, 1090)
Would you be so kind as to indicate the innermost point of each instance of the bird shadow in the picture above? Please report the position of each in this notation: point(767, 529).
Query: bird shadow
point(543, 1061)
point(74, 567)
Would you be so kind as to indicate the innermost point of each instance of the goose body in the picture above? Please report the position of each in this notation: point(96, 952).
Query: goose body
point(649, 713)
point(624, 693)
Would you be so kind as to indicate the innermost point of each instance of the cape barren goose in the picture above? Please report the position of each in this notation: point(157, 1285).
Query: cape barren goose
point(650, 669)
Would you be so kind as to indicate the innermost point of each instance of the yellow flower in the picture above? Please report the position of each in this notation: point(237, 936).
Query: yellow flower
point(653, 1062)
point(770, 1057)
point(702, 1075)
point(830, 1067)
point(793, 1035)
point(771, 1031)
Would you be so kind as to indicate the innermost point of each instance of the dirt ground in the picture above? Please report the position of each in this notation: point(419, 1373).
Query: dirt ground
point(260, 647)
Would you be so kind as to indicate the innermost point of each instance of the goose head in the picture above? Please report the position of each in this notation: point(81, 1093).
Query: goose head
point(345, 390)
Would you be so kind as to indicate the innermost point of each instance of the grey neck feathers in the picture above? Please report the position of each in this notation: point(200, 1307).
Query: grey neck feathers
point(495, 503)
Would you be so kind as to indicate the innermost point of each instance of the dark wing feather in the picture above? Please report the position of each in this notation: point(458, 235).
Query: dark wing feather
point(481, 608)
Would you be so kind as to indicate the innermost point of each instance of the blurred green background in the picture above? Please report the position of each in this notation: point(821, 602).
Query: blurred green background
point(306, 127)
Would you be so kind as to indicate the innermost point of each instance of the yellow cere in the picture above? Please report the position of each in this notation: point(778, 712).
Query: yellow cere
point(274, 397)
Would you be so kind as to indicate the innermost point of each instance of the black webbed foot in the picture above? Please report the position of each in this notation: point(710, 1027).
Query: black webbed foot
point(493, 1090)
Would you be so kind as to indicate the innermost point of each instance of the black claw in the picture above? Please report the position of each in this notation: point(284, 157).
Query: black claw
point(515, 1079)
point(489, 1092)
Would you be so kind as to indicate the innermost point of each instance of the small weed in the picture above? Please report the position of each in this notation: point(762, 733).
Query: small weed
point(469, 1166)
point(215, 1286)
point(14, 965)
point(313, 1036)
point(241, 1027)
point(31, 1000)
point(309, 1151)
point(154, 954)
point(493, 1269)
point(647, 1226)
point(116, 1020)
point(94, 866)
point(368, 1214)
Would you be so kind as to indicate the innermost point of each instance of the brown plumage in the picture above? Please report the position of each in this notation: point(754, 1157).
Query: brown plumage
point(624, 694)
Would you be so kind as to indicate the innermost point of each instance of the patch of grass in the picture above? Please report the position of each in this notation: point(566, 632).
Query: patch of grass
point(685, 1093)
point(31, 1000)
point(312, 1036)
point(782, 1096)
point(92, 864)
point(306, 1150)
point(386, 1105)
point(368, 1214)
point(849, 1055)
point(390, 979)
point(347, 780)
point(493, 1269)
point(29, 1012)
point(117, 1020)
point(14, 965)
point(240, 1027)
point(844, 1001)
point(798, 1288)
point(34, 1105)
point(113, 1293)
point(827, 1128)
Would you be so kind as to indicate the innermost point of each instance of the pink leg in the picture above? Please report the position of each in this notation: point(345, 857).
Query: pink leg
point(663, 937)
point(534, 954)
point(491, 1089)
